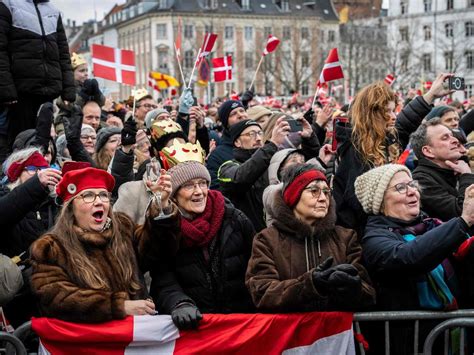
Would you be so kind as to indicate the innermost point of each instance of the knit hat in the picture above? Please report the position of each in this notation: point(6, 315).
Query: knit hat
point(226, 108)
point(438, 111)
point(152, 115)
point(103, 135)
point(292, 190)
point(370, 187)
point(185, 171)
point(76, 181)
point(256, 112)
point(237, 129)
point(141, 137)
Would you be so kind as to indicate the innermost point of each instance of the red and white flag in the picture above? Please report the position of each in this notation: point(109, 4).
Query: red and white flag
point(389, 79)
point(332, 69)
point(177, 42)
point(152, 83)
point(222, 68)
point(272, 44)
point(208, 44)
point(302, 333)
point(114, 64)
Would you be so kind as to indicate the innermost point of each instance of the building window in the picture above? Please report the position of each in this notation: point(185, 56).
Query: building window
point(404, 61)
point(450, 4)
point(248, 60)
point(471, 3)
point(469, 59)
point(427, 32)
point(188, 31)
point(210, 4)
point(283, 4)
point(404, 33)
point(162, 4)
point(248, 31)
point(229, 32)
point(286, 32)
point(267, 31)
point(162, 58)
point(304, 59)
point(331, 36)
point(245, 4)
point(448, 28)
point(403, 7)
point(161, 31)
point(188, 59)
point(469, 28)
point(469, 89)
point(304, 33)
point(305, 89)
point(426, 61)
point(449, 61)
point(427, 5)
point(208, 28)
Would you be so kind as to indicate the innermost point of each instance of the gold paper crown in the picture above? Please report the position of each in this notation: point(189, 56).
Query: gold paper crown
point(180, 152)
point(76, 60)
point(140, 94)
point(162, 127)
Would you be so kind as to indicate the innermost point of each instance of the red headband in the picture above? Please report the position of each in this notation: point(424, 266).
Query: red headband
point(293, 191)
point(16, 168)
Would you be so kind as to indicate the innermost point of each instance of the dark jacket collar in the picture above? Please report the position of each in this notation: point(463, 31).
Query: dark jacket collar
point(423, 162)
point(385, 222)
point(242, 155)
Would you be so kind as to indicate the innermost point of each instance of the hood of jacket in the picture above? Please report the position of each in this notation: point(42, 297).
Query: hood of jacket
point(275, 164)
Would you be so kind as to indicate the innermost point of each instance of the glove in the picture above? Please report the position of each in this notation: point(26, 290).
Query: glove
point(345, 288)
point(321, 274)
point(129, 132)
point(186, 101)
point(246, 98)
point(73, 123)
point(43, 124)
point(90, 90)
point(186, 316)
point(309, 115)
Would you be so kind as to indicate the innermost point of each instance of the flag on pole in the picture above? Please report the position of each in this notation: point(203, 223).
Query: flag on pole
point(152, 83)
point(204, 73)
point(114, 64)
point(222, 68)
point(389, 79)
point(272, 44)
point(208, 44)
point(177, 42)
point(302, 333)
point(332, 69)
point(163, 81)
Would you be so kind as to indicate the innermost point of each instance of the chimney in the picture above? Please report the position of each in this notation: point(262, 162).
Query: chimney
point(74, 24)
point(68, 22)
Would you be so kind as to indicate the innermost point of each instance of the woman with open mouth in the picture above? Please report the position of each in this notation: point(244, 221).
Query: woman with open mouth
point(85, 269)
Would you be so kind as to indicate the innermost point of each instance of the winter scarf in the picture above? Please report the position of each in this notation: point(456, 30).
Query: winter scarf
point(201, 230)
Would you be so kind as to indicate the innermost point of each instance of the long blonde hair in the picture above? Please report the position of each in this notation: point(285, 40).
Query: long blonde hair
point(369, 118)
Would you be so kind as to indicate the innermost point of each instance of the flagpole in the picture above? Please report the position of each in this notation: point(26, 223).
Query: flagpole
point(134, 102)
point(194, 68)
point(179, 64)
point(315, 95)
point(256, 71)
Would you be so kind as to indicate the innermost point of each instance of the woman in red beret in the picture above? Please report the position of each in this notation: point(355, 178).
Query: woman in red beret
point(85, 269)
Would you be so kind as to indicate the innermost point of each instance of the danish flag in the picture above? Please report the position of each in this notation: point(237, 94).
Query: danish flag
point(389, 79)
point(209, 40)
point(222, 68)
point(114, 64)
point(272, 43)
point(332, 69)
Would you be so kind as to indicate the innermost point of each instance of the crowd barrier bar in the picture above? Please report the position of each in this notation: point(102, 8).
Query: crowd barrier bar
point(14, 342)
point(415, 316)
point(443, 327)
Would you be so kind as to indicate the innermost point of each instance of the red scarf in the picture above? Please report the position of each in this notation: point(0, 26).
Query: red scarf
point(201, 230)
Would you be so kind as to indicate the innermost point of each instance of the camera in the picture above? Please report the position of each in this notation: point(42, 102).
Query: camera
point(456, 83)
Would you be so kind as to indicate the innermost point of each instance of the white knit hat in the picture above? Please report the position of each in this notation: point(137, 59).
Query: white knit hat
point(370, 187)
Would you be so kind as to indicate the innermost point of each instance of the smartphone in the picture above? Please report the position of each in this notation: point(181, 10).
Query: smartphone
point(456, 83)
point(168, 108)
point(338, 121)
point(295, 125)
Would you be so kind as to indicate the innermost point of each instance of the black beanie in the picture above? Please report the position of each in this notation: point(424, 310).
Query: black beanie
point(225, 110)
point(438, 111)
point(239, 127)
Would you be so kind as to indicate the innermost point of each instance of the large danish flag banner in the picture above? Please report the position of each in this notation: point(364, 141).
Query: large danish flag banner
point(114, 64)
point(288, 334)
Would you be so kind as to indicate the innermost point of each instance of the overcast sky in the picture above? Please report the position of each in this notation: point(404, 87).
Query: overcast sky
point(85, 9)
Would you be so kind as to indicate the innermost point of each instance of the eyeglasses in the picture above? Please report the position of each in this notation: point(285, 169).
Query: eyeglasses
point(190, 186)
point(90, 197)
point(85, 137)
point(316, 191)
point(34, 169)
point(253, 134)
point(403, 186)
point(149, 106)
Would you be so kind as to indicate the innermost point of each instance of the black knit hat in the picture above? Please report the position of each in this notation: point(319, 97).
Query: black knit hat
point(439, 111)
point(103, 136)
point(237, 129)
point(225, 109)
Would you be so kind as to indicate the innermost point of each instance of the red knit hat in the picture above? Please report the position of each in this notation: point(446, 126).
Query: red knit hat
point(292, 192)
point(75, 181)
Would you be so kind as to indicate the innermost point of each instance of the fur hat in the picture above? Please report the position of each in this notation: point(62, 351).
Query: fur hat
point(185, 171)
point(103, 135)
point(258, 111)
point(225, 109)
point(370, 187)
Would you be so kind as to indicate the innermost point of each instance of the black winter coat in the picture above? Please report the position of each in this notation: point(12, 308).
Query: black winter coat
point(26, 212)
point(442, 192)
point(222, 153)
point(395, 265)
point(185, 276)
point(349, 211)
point(34, 53)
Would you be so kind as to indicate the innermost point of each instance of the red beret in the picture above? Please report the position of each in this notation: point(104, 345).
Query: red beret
point(75, 181)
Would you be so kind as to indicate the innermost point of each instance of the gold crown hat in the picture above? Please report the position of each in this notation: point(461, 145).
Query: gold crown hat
point(76, 60)
point(162, 127)
point(139, 94)
point(181, 152)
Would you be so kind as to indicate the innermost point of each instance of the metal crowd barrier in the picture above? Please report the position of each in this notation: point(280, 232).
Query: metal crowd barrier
point(12, 344)
point(460, 318)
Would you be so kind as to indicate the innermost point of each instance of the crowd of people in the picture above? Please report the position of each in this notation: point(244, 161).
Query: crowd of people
point(144, 206)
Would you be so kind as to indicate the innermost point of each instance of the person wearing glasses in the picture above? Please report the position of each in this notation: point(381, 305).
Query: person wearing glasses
point(87, 268)
point(144, 103)
point(304, 262)
point(206, 271)
point(408, 256)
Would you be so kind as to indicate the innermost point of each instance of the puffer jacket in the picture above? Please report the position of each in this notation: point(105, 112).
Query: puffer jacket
point(34, 53)
point(184, 277)
point(284, 256)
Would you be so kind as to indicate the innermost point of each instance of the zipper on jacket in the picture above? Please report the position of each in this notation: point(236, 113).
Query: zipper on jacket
point(43, 39)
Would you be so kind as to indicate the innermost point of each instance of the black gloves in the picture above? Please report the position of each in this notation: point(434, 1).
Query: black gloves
point(186, 316)
point(129, 133)
point(309, 115)
point(73, 123)
point(90, 91)
point(246, 98)
point(43, 126)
